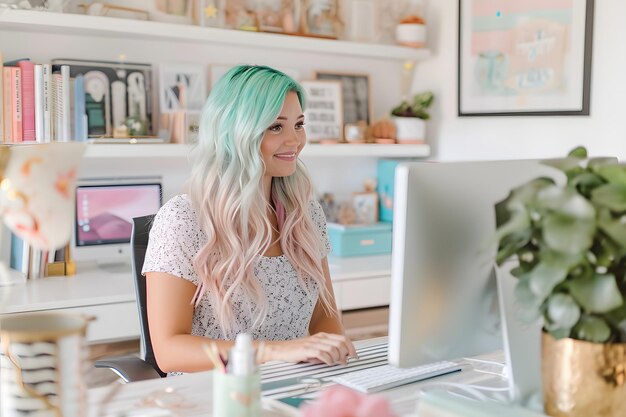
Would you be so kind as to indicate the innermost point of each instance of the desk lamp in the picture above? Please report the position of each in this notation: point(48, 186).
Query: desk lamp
point(37, 196)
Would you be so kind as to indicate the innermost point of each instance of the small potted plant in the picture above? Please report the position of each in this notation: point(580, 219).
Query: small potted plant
point(410, 117)
point(570, 244)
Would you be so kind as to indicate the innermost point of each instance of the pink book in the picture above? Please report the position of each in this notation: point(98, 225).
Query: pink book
point(28, 100)
point(7, 106)
point(16, 103)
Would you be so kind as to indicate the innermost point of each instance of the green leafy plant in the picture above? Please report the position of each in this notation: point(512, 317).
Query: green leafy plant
point(570, 242)
point(415, 107)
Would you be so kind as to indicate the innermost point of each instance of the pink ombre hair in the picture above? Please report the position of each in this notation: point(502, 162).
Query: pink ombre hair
point(226, 191)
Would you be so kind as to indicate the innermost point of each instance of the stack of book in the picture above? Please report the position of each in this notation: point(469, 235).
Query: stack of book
point(68, 100)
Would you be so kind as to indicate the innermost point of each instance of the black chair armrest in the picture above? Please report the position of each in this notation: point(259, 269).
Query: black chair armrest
point(129, 368)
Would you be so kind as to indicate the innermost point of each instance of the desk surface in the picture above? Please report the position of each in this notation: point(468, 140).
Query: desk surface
point(192, 392)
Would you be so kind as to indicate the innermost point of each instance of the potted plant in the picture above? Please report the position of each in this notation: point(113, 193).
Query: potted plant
point(410, 117)
point(570, 244)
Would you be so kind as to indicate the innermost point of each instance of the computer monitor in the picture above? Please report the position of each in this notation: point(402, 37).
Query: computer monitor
point(103, 221)
point(444, 299)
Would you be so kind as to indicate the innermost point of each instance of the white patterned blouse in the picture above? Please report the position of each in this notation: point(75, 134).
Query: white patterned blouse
point(175, 239)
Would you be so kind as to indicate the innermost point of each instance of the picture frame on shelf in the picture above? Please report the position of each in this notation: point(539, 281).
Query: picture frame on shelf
point(277, 16)
point(355, 95)
point(366, 207)
point(210, 13)
point(322, 18)
point(323, 114)
point(537, 64)
point(240, 14)
point(169, 11)
point(114, 92)
point(182, 87)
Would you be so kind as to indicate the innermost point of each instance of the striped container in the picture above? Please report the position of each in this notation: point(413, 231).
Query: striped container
point(43, 362)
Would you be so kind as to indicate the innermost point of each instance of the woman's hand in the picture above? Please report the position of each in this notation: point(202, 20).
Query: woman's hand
point(321, 347)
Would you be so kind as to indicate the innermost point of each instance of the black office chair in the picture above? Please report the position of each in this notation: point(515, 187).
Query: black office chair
point(132, 368)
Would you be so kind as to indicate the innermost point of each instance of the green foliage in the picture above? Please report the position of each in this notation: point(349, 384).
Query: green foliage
point(416, 107)
point(570, 241)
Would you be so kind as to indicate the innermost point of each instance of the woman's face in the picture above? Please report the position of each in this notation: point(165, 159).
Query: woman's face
point(284, 139)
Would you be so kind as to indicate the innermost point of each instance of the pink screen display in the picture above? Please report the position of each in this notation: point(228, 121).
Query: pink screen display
point(104, 214)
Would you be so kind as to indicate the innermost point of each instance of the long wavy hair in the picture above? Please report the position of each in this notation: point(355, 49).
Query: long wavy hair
point(226, 191)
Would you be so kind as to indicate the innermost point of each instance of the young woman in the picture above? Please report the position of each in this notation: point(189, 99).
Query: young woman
point(245, 250)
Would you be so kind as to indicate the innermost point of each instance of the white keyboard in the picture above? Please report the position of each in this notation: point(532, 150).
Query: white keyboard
point(385, 377)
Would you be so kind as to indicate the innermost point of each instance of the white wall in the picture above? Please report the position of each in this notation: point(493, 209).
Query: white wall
point(461, 138)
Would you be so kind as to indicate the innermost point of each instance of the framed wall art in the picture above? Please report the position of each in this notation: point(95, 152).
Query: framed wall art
point(356, 95)
point(182, 87)
point(323, 115)
point(280, 16)
point(528, 57)
point(322, 18)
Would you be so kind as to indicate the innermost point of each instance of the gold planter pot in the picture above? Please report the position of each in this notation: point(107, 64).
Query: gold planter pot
point(583, 379)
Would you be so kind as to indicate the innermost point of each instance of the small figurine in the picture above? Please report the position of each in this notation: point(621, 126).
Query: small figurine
point(328, 206)
point(347, 213)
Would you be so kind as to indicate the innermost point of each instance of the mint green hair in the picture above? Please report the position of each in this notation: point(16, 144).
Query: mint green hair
point(227, 192)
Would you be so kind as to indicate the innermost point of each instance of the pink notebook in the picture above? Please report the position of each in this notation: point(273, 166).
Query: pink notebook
point(28, 100)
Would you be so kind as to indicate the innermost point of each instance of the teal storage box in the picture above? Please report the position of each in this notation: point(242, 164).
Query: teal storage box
point(360, 240)
point(386, 171)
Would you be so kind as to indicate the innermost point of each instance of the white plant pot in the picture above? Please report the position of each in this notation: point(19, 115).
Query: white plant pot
point(411, 34)
point(410, 129)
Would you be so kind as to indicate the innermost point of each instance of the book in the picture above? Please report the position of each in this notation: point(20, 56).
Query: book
point(57, 108)
point(16, 104)
point(47, 102)
point(19, 254)
point(38, 74)
point(62, 102)
point(2, 99)
point(7, 133)
point(27, 76)
point(67, 127)
point(80, 117)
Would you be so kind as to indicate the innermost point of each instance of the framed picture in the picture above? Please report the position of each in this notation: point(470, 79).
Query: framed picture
point(240, 14)
point(324, 111)
point(356, 95)
point(322, 18)
point(524, 58)
point(171, 11)
point(279, 16)
point(182, 87)
point(114, 91)
point(366, 207)
point(210, 13)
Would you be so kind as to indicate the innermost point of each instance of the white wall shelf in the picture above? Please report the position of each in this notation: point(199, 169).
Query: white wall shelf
point(368, 150)
point(311, 150)
point(85, 25)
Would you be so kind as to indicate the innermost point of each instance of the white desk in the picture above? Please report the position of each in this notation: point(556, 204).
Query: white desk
point(110, 297)
point(195, 391)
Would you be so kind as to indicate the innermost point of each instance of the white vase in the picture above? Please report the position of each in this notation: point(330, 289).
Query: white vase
point(411, 34)
point(410, 130)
